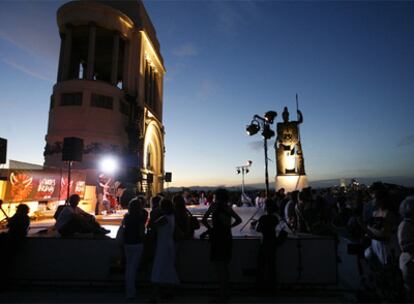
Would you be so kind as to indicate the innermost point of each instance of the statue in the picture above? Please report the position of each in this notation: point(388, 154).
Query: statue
point(288, 146)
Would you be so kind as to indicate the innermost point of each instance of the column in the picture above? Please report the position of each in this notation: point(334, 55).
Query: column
point(66, 53)
point(152, 83)
point(125, 69)
point(115, 56)
point(62, 46)
point(91, 52)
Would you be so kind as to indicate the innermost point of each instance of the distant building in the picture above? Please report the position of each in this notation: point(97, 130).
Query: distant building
point(109, 90)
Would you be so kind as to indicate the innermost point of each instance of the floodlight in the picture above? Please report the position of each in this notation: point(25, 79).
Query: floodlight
point(253, 128)
point(270, 116)
point(109, 164)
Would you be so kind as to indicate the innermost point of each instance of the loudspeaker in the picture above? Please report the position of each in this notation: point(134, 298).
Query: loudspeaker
point(72, 149)
point(3, 150)
point(168, 177)
point(150, 178)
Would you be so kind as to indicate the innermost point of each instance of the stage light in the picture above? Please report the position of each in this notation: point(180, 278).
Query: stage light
point(253, 128)
point(263, 123)
point(109, 164)
point(270, 116)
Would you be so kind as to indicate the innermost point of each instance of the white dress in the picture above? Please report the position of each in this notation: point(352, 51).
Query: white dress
point(163, 269)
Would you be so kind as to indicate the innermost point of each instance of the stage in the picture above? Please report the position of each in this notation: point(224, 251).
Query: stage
point(301, 259)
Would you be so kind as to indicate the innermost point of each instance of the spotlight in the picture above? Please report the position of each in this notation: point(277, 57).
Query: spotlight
point(238, 171)
point(270, 116)
point(249, 163)
point(267, 132)
point(252, 129)
point(247, 171)
point(109, 164)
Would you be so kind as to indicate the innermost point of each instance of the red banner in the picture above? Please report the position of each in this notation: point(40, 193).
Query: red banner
point(42, 185)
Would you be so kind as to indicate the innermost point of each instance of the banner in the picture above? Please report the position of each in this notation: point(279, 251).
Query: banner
point(42, 185)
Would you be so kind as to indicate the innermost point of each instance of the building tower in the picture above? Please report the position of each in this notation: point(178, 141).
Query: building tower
point(109, 90)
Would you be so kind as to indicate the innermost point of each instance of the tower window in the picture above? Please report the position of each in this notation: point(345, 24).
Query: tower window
point(102, 101)
point(71, 99)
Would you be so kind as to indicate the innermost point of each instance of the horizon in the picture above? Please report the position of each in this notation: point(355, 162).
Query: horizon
point(349, 62)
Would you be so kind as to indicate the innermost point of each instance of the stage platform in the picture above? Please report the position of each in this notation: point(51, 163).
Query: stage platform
point(301, 259)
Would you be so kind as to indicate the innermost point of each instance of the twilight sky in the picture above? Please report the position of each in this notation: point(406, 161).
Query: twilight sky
point(352, 64)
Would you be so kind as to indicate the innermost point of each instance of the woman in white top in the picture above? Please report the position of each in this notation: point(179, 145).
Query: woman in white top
point(163, 269)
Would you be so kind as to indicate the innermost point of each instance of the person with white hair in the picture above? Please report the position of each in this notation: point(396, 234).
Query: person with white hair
point(406, 242)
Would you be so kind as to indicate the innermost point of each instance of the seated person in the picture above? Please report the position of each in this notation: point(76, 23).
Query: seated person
point(19, 223)
point(73, 219)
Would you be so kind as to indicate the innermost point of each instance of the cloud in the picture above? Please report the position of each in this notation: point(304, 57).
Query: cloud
point(31, 27)
point(406, 141)
point(206, 90)
point(231, 15)
point(27, 70)
point(186, 50)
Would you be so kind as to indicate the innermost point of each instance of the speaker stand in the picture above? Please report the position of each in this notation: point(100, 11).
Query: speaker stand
point(69, 171)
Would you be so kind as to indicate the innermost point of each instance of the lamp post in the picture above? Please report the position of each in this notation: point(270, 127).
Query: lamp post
point(263, 123)
point(243, 170)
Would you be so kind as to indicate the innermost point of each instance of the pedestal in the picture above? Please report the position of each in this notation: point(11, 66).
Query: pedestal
point(291, 182)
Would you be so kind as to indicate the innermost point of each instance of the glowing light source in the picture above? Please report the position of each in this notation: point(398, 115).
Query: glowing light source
point(109, 164)
point(290, 161)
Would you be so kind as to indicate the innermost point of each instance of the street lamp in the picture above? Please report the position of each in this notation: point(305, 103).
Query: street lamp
point(243, 170)
point(263, 123)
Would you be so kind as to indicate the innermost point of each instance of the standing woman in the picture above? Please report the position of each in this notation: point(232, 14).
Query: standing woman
point(182, 229)
point(163, 270)
point(406, 242)
point(134, 231)
point(221, 238)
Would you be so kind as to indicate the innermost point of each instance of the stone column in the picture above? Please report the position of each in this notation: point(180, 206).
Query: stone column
point(62, 46)
point(66, 53)
point(91, 52)
point(125, 68)
point(115, 56)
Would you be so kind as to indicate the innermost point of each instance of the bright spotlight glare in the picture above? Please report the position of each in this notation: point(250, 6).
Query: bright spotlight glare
point(109, 165)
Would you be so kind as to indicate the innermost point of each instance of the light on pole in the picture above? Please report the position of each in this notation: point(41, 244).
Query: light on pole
point(243, 170)
point(263, 123)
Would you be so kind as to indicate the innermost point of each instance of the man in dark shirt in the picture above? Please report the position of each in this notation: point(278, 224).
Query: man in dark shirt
point(267, 254)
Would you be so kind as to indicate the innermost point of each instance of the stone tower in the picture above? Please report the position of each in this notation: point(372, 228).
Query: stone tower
point(109, 90)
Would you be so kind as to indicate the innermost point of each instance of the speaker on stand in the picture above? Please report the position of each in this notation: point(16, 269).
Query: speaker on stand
point(168, 178)
point(72, 151)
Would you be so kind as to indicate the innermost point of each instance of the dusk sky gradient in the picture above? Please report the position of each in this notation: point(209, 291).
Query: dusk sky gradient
point(352, 64)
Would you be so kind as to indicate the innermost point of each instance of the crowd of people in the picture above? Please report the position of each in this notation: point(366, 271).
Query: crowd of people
point(378, 221)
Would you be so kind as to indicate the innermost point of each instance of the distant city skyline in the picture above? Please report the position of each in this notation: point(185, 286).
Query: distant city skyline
point(350, 62)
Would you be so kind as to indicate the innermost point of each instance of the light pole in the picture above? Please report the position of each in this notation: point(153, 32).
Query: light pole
point(243, 170)
point(263, 123)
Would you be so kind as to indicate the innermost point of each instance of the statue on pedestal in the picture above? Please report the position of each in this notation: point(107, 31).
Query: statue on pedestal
point(289, 153)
